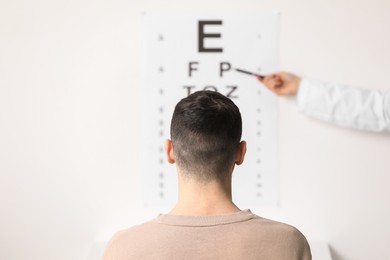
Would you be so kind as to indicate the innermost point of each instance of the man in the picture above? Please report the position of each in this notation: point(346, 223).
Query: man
point(205, 224)
point(342, 105)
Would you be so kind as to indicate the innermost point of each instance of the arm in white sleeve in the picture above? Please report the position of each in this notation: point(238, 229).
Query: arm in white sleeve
point(345, 106)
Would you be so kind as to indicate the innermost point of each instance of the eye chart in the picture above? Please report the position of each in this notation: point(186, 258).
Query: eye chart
point(185, 52)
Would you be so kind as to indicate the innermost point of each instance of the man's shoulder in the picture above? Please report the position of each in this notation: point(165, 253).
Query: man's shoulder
point(286, 239)
point(272, 224)
point(286, 234)
point(275, 228)
point(120, 241)
point(135, 231)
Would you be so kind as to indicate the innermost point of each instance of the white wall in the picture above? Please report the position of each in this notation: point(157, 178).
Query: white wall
point(69, 153)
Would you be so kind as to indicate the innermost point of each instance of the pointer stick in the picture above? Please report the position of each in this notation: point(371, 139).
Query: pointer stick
point(250, 73)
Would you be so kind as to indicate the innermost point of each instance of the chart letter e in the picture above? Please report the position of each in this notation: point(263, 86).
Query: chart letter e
point(202, 35)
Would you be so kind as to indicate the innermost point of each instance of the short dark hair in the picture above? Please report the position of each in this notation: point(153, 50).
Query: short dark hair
point(206, 129)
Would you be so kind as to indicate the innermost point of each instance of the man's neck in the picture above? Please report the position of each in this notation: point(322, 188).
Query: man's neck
point(201, 199)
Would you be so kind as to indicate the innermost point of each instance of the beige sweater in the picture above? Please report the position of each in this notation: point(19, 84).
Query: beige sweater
point(242, 235)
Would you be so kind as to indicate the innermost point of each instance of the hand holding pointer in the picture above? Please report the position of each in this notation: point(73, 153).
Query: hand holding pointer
point(281, 83)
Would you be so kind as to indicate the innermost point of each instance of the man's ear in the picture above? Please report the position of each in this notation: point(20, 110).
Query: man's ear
point(169, 151)
point(240, 152)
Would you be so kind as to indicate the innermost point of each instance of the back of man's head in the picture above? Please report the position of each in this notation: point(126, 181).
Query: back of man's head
point(206, 129)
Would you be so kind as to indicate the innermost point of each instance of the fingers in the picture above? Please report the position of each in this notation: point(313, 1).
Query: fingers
point(261, 79)
point(281, 83)
point(273, 82)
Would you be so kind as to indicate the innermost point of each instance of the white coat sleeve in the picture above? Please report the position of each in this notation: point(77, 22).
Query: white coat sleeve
point(345, 106)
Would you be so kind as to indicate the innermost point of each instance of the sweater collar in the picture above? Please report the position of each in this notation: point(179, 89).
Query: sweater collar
point(199, 221)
